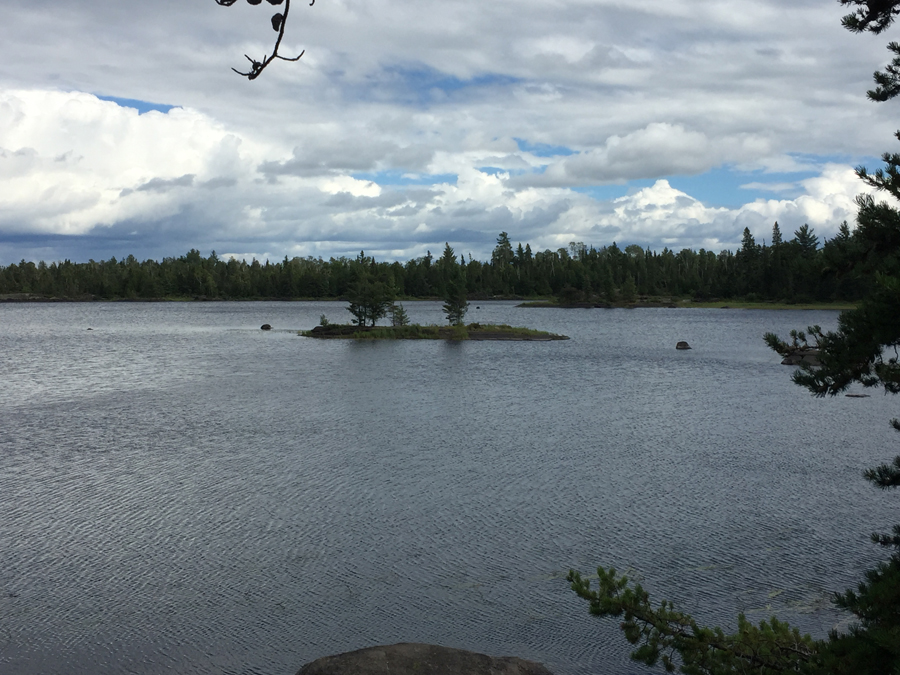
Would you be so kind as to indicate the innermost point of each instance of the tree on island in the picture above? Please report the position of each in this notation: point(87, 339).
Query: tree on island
point(456, 304)
point(863, 350)
point(370, 298)
point(399, 316)
point(453, 286)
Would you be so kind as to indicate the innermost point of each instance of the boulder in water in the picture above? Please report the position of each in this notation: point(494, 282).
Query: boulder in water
point(420, 659)
point(802, 356)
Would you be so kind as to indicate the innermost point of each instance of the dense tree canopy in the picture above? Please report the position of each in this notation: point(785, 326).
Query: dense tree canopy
point(798, 270)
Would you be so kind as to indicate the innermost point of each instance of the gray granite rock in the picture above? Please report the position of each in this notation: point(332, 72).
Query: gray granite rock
point(800, 356)
point(420, 659)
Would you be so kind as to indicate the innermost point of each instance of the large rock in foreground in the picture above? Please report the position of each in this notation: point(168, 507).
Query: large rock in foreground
point(420, 659)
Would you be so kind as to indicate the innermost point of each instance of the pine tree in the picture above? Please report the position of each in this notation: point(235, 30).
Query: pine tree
point(370, 299)
point(629, 289)
point(806, 240)
point(776, 235)
point(399, 316)
point(455, 302)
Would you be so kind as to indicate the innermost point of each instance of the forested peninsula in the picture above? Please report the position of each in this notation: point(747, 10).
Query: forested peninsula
point(798, 270)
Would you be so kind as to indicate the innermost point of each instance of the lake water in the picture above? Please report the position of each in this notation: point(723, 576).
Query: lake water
point(181, 492)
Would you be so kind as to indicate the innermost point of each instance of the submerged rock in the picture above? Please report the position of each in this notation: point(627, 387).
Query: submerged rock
point(682, 345)
point(420, 659)
point(802, 356)
point(265, 326)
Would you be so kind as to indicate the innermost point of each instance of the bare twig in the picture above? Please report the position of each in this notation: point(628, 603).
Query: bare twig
point(279, 22)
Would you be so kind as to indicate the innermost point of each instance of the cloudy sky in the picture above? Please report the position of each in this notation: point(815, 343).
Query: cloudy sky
point(409, 124)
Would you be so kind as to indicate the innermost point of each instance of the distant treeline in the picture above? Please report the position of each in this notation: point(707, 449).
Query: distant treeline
point(798, 270)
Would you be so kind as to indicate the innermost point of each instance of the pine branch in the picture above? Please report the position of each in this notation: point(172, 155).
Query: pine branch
point(665, 635)
point(873, 16)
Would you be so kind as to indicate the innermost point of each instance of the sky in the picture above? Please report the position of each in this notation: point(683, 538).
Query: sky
point(408, 125)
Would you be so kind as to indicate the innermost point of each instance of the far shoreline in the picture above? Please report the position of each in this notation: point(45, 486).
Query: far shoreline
point(526, 303)
point(690, 304)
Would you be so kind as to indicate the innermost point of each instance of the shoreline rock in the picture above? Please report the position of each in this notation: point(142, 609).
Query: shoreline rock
point(410, 658)
point(802, 356)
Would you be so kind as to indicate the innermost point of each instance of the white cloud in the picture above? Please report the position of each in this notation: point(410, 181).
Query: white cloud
point(770, 187)
point(659, 149)
point(641, 90)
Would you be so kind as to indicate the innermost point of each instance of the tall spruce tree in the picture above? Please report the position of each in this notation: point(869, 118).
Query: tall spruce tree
point(455, 302)
point(776, 235)
point(806, 240)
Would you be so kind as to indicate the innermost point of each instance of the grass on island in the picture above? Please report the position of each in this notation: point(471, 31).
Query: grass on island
point(473, 331)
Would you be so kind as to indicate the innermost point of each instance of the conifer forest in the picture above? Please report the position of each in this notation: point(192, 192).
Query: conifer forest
point(799, 269)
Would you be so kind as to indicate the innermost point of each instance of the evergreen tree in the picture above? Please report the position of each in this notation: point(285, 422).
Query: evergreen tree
point(370, 299)
point(503, 252)
point(501, 262)
point(629, 289)
point(806, 240)
point(399, 316)
point(447, 267)
point(876, 16)
point(748, 242)
point(455, 302)
point(864, 350)
point(776, 235)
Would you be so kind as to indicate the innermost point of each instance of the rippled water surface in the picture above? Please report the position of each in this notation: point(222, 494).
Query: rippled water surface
point(181, 492)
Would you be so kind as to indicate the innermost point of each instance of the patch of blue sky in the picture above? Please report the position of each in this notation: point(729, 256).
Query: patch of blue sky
point(543, 149)
point(421, 85)
point(720, 187)
point(605, 193)
point(731, 187)
point(495, 170)
point(141, 106)
point(394, 177)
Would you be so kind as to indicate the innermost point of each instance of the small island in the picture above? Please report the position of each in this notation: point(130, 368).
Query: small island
point(371, 299)
point(472, 331)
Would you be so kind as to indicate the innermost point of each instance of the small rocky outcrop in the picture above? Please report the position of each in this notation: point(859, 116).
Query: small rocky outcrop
point(265, 326)
point(338, 330)
point(803, 356)
point(682, 345)
point(420, 659)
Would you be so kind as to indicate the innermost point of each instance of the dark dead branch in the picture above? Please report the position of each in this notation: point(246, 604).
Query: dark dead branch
point(279, 23)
